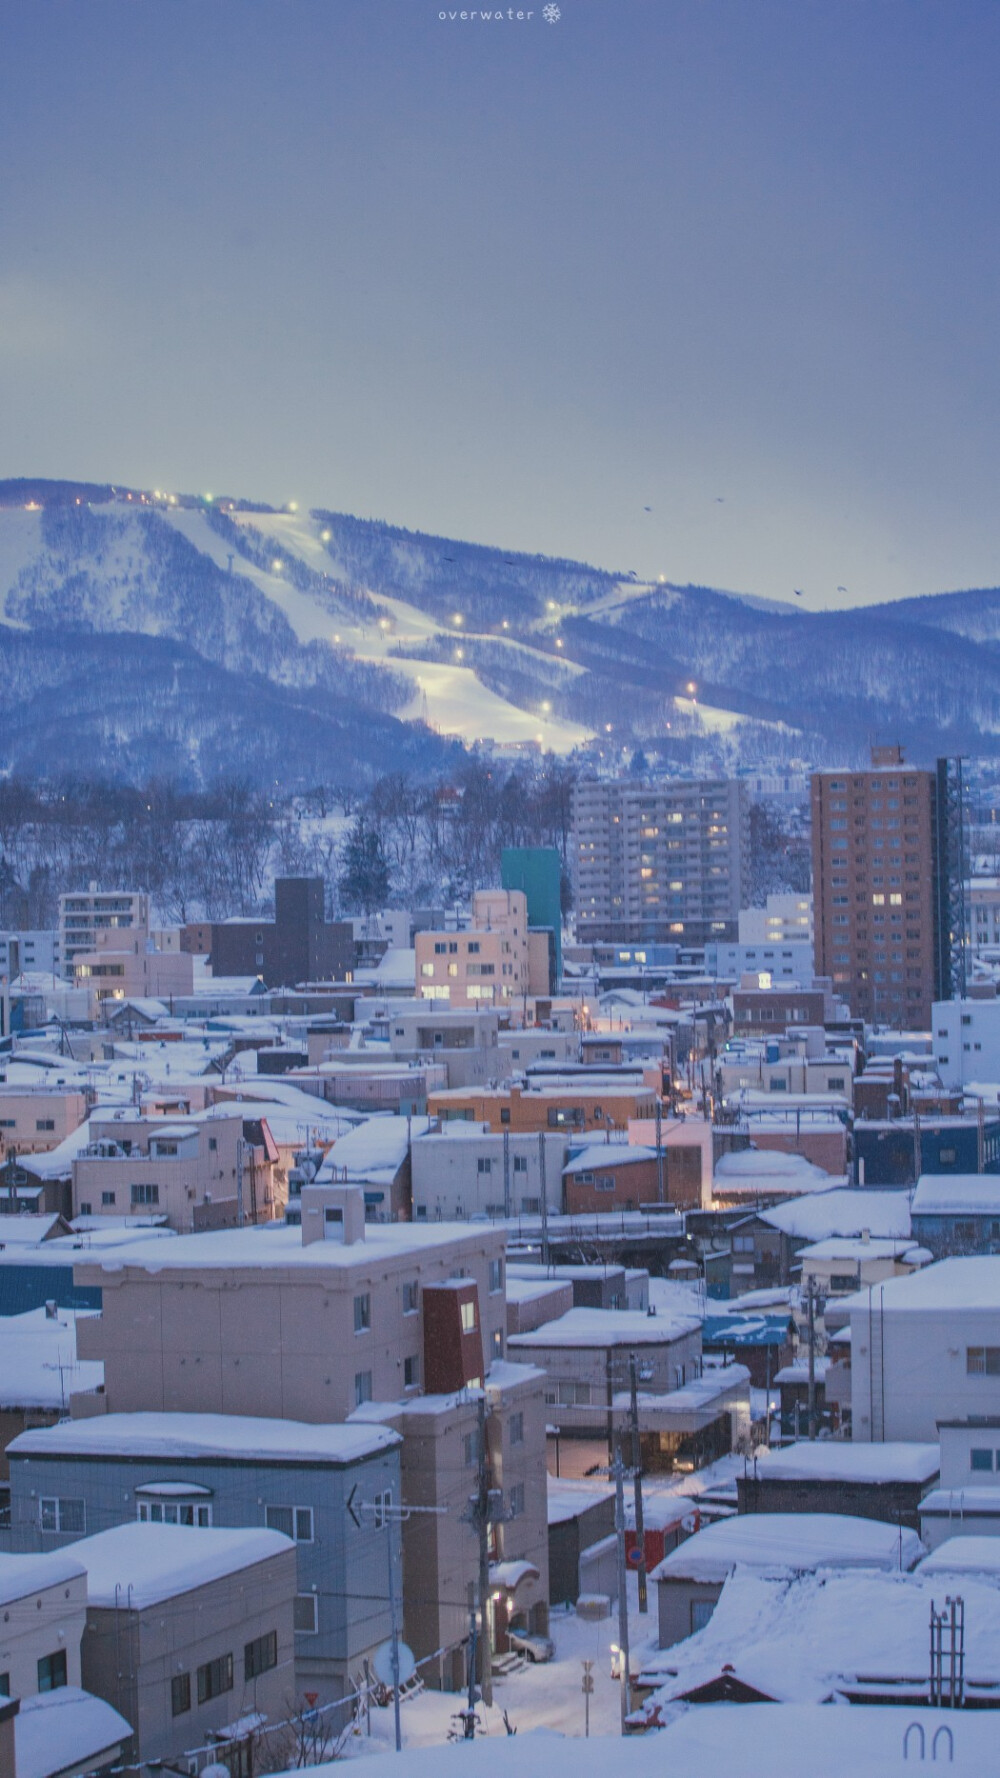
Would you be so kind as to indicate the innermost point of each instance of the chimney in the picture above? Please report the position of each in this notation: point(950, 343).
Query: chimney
point(51, 1310)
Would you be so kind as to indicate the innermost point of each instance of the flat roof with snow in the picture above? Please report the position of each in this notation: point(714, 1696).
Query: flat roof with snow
point(844, 1210)
point(789, 1541)
point(957, 1194)
point(227, 1437)
point(134, 1566)
point(840, 1461)
point(955, 1285)
point(279, 1247)
point(598, 1328)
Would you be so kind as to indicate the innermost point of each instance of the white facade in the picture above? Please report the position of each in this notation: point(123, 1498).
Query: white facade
point(85, 913)
point(43, 1612)
point(783, 960)
point(29, 953)
point(926, 1348)
point(459, 1173)
point(786, 919)
point(984, 913)
point(966, 1040)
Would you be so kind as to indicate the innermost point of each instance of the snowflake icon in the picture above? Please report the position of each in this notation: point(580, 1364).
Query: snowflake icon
point(552, 14)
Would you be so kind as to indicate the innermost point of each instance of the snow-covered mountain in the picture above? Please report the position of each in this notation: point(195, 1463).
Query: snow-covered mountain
point(198, 637)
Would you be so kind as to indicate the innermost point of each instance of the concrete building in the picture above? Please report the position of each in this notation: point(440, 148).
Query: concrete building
point(189, 1632)
point(843, 1264)
point(966, 1040)
point(130, 967)
point(489, 964)
point(458, 1172)
point(790, 962)
point(537, 872)
point(235, 1472)
point(785, 919)
point(189, 1170)
point(885, 1481)
point(966, 1502)
point(43, 1612)
point(661, 862)
point(85, 914)
point(984, 914)
point(881, 900)
point(28, 953)
point(298, 945)
point(570, 1102)
point(36, 1119)
point(925, 1348)
point(959, 1215)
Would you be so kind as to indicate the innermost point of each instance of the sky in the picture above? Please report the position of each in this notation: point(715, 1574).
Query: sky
point(705, 289)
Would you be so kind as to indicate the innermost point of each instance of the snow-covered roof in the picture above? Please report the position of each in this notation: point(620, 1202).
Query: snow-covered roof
point(957, 1194)
point(715, 1741)
point(529, 1290)
point(701, 1393)
point(602, 1155)
point(957, 1504)
point(567, 1498)
point(137, 1565)
point(279, 1246)
point(22, 1575)
point(964, 1555)
point(67, 1730)
point(251, 1439)
point(952, 1284)
point(789, 1540)
point(374, 1150)
point(843, 1211)
point(841, 1460)
point(607, 1327)
point(26, 1231)
point(811, 1636)
point(854, 1247)
point(38, 1363)
point(57, 1163)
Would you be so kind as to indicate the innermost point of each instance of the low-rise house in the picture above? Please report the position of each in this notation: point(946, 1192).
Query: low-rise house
point(36, 1119)
point(884, 1481)
point(43, 1611)
point(532, 1301)
point(467, 1170)
point(688, 1428)
point(571, 1103)
point(199, 1172)
point(966, 1502)
point(39, 1371)
point(691, 1579)
point(69, 1734)
point(580, 1516)
point(230, 1471)
point(925, 1348)
point(585, 1355)
point(189, 1633)
point(957, 1216)
point(843, 1263)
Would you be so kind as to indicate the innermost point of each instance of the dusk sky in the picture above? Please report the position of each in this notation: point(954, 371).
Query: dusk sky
point(735, 261)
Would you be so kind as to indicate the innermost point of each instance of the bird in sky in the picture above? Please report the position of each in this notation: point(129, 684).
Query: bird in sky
point(647, 509)
point(720, 499)
point(798, 592)
point(841, 589)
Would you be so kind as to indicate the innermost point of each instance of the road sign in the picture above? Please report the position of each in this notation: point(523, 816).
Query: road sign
point(382, 1663)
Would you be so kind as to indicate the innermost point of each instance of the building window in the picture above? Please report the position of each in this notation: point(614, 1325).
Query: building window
point(410, 1297)
point(516, 1424)
point(362, 1387)
point(520, 1163)
point(180, 1694)
point(982, 1361)
point(145, 1194)
point(306, 1614)
point(468, 1318)
point(981, 1459)
point(292, 1521)
point(496, 1274)
point(498, 1342)
point(516, 1500)
point(484, 1164)
point(45, 1123)
point(470, 1448)
point(214, 1678)
point(107, 1198)
point(174, 1512)
point(52, 1671)
point(411, 1371)
point(260, 1655)
point(66, 1516)
point(362, 1313)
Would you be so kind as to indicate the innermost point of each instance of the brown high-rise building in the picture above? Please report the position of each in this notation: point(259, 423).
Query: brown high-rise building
point(880, 891)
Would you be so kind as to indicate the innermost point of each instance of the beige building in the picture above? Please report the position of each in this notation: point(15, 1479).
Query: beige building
point(188, 1170)
point(83, 914)
point(489, 964)
point(130, 966)
point(404, 1323)
point(189, 1631)
point(35, 1119)
point(43, 1610)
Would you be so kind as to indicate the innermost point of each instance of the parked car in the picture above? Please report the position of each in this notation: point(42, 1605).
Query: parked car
point(537, 1648)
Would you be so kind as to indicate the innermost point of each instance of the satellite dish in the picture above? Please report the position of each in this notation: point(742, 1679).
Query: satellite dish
point(382, 1663)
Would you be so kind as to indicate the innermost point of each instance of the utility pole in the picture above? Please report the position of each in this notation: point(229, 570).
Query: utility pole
point(506, 1174)
point(394, 1631)
point(545, 1202)
point(239, 1182)
point(483, 1528)
point(811, 1334)
point(633, 1377)
point(623, 1651)
point(660, 1192)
